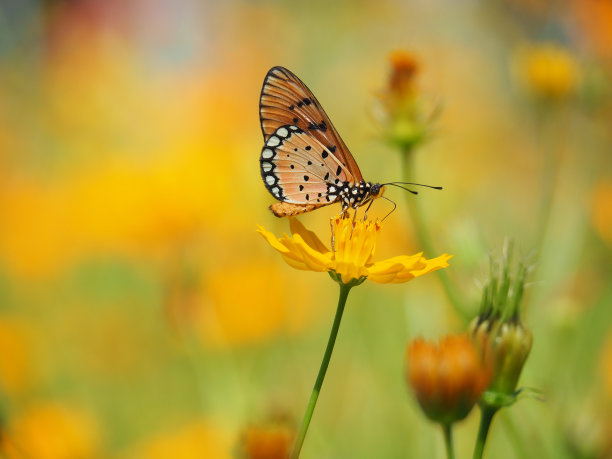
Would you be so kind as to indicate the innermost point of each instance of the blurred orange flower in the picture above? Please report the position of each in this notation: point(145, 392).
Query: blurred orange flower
point(602, 209)
point(447, 378)
point(352, 258)
point(406, 118)
point(594, 18)
point(267, 442)
point(404, 68)
point(52, 431)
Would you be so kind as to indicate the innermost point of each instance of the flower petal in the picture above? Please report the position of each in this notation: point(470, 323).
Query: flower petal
point(309, 237)
point(405, 268)
point(272, 240)
point(315, 260)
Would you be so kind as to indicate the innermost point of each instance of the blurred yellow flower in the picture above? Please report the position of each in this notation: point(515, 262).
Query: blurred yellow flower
point(15, 358)
point(547, 70)
point(352, 258)
point(194, 441)
point(51, 431)
point(606, 363)
point(228, 307)
point(447, 378)
point(602, 209)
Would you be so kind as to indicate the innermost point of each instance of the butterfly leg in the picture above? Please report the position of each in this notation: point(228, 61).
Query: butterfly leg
point(333, 234)
point(365, 215)
point(392, 210)
point(353, 222)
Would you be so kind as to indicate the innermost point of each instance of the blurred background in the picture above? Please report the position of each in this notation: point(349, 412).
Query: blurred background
point(141, 316)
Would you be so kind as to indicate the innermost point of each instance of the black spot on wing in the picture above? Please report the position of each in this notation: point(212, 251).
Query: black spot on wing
point(317, 127)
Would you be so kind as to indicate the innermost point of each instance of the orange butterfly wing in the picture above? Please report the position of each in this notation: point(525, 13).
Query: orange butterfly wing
point(285, 100)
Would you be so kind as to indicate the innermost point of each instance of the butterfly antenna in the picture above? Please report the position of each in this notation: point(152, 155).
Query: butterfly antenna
point(392, 210)
point(402, 187)
point(415, 184)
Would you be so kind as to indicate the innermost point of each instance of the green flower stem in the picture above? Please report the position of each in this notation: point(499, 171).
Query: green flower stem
point(344, 291)
point(448, 440)
point(548, 146)
point(486, 416)
point(425, 240)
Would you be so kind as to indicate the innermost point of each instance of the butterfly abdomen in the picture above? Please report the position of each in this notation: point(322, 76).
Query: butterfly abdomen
point(285, 209)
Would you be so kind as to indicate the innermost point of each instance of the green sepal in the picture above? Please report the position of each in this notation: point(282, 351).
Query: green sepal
point(352, 283)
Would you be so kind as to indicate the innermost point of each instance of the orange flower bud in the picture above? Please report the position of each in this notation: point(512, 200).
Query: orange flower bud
point(404, 67)
point(405, 116)
point(273, 441)
point(447, 378)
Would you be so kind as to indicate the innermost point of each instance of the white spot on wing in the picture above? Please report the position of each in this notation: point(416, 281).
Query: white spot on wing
point(282, 132)
point(293, 128)
point(273, 141)
point(267, 153)
point(276, 191)
point(267, 167)
point(270, 179)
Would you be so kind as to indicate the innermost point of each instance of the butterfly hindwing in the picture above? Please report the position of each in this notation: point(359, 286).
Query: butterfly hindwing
point(286, 100)
point(298, 169)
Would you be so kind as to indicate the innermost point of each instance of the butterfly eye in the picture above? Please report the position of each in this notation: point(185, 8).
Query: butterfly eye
point(376, 189)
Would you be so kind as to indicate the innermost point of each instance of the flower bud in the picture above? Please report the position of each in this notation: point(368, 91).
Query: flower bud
point(268, 440)
point(403, 114)
point(447, 378)
point(498, 331)
point(507, 346)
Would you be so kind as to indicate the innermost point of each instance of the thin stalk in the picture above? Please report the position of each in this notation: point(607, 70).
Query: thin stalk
point(344, 291)
point(548, 146)
point(425, 239)
point(486, 416)
point(448, 440)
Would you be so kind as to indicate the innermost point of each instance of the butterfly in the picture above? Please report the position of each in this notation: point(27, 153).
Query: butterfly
point(304, 162)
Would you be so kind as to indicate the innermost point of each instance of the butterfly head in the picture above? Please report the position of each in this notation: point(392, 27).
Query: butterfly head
point(377, 190)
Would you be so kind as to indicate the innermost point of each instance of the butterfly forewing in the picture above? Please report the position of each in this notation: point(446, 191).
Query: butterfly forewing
point(285, 100)
point(298, 169)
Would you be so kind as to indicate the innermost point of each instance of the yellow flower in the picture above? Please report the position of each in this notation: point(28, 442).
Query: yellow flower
point(547, 71)
point(352, 258)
